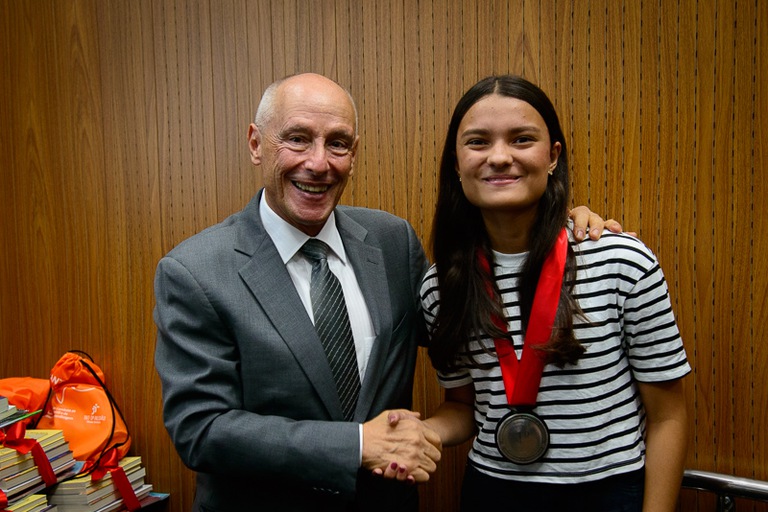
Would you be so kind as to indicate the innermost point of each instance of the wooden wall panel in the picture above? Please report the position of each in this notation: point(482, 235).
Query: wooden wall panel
point(631, 107)
point(123, 131)
point(759, 244)
point(744, 422)
point(613, 116)
point(708, 403)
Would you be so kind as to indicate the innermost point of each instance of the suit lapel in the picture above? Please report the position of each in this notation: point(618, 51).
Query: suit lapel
point(264, 274)
point(368, 263)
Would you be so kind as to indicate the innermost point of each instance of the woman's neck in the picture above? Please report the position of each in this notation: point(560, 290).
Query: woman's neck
point(509, 232)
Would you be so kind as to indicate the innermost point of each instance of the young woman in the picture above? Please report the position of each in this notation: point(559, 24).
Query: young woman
point(591, 414)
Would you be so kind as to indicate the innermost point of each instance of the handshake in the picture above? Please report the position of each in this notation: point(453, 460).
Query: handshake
point(398, 445)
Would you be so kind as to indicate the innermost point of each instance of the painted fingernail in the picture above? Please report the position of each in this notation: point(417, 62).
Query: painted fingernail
point(393, 465)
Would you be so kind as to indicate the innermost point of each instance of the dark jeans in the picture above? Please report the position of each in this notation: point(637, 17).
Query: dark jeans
point(620, 493)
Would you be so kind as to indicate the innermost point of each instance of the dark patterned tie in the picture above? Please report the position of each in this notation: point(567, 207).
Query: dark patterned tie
point(332, 325)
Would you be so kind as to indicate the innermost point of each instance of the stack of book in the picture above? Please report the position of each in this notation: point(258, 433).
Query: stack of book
point(19, 475)
point(9, 413)
point(32, 503)
point(81, 494)
point(6, 409)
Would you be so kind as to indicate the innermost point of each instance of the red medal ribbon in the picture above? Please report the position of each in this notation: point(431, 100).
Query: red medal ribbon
point(110, 463)
point(521, 381)
point(14, 438)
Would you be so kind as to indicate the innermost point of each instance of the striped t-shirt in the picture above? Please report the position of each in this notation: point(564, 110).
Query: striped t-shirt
point(592, 409)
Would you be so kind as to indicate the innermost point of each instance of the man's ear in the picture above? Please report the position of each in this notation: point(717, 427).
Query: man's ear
point(353, 153)
point(254, 144)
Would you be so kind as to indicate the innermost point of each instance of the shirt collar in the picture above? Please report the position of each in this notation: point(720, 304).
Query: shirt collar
point(288, 240)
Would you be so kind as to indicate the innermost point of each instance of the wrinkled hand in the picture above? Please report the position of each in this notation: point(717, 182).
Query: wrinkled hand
point(585, 219)
point(400, 435)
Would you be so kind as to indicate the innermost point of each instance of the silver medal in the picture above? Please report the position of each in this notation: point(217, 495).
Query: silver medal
point(522, 437)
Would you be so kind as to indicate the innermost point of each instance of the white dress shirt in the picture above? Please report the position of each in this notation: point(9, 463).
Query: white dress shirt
point(288, 240)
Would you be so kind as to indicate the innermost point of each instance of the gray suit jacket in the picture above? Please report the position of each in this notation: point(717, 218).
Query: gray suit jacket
point(248, 397)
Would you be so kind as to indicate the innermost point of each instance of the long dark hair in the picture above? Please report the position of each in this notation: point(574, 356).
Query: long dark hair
point(458, 233)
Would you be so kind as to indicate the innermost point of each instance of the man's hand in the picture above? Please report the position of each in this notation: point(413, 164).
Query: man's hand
point(585, 219)
point(401, 436)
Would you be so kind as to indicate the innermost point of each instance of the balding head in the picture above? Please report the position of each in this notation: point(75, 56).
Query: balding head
point(304, 83)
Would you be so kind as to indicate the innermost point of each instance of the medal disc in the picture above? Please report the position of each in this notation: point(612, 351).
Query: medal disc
point(522, 437)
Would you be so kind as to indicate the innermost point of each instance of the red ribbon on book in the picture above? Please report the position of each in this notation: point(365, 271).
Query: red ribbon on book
point(3, 500)
point(110, 463)
point(521, 381)
point(13, 438)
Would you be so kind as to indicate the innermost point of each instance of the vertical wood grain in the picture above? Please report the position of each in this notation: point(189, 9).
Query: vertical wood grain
point(579, 124)
point(615, 84)
point(124, 132)
point(596, 79)
point(759, 243)
point(681, 276)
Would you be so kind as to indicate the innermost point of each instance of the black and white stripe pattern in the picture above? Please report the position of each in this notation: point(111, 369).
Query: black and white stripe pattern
point(593, 409)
